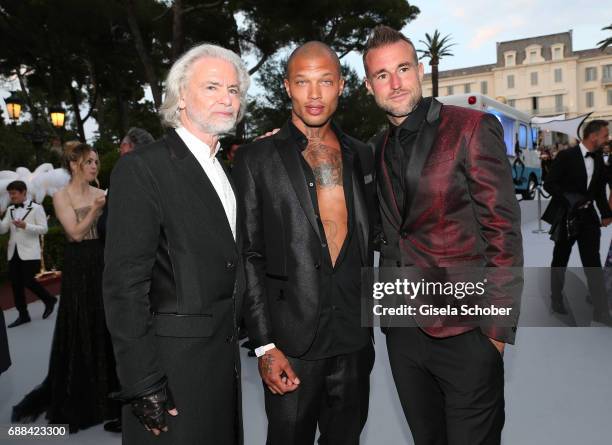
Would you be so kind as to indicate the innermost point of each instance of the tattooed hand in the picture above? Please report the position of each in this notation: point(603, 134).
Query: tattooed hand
point(276, 372)
point(325, 161)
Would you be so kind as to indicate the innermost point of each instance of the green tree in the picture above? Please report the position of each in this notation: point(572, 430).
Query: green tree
point(437, 47)
point(603, 44)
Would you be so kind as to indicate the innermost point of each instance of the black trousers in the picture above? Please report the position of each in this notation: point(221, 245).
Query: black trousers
point(451, 389)
point(333, 393)
point(588, 245)
point(21, 274)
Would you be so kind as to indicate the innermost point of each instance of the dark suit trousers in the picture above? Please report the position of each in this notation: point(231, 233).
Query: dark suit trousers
point(451, 389)
point(588, 245)
point(333, 393)
point(21, 274)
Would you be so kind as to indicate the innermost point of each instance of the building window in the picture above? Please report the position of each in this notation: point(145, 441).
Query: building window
point(534, 78)
point(558, 75)
point(590, 99)
point(512, 102)
point(467, 89)
point(559, 102)
point(510, 79)
point(607, 72)
point(510, 60)
point(557, 54)
point(590, 74)
point(534, 104)
point(484, 87)
point(449, 90)
point(610, 97)
point(533, 55)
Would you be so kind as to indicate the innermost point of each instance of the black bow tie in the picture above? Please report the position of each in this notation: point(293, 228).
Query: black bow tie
point(18, 205)
point(589, 154)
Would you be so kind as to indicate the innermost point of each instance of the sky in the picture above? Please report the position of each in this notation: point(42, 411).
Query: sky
point(476, 25)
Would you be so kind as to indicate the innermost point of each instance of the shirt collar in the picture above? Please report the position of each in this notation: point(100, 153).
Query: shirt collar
point(195, 144)
point(26, 203)
point(583, 149)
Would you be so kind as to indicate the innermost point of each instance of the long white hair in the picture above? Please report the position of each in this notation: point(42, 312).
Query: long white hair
point(179, 76)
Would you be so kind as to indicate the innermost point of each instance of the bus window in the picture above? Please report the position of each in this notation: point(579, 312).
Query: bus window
point(522, 136)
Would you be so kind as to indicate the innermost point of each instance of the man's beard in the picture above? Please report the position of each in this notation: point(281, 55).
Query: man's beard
point(223, 126)
point(218, 128)
point(401, 110)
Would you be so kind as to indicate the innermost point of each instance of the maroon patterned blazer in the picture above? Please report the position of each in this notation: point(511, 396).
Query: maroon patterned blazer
point(460, 205)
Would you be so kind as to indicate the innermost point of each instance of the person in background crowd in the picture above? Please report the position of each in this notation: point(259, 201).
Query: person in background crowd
point(577, 182)
point(134, 138)
point(81, 371)
point(26, 221)
point(5, 356)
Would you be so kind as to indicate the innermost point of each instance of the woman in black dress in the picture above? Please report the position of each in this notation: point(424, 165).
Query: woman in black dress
point(81, 368)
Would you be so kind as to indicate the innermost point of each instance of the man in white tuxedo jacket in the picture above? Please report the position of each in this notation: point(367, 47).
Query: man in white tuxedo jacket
point(26, 221)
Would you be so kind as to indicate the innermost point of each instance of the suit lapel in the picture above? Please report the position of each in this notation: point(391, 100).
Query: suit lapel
point(422, 147)
point(289, 153)
point(198, 181)
point(596, 170)
point(360, 206)
point(583, 176)
point(28, 211)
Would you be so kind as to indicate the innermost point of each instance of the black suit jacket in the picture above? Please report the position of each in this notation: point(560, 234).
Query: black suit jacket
point(173, 282)
point(567, 183)
point(282, 246)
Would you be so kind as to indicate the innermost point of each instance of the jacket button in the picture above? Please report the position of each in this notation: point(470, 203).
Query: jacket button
point(317, 265)
point(398, 264)
point(404, 234)
point(229, 265)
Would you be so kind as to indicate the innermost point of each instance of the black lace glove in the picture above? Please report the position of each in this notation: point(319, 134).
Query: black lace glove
point(152, 408)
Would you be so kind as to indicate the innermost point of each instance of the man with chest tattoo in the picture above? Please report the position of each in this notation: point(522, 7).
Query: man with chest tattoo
point(304, 205)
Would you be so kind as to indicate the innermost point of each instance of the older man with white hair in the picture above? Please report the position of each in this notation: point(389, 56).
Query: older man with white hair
point(173, 278)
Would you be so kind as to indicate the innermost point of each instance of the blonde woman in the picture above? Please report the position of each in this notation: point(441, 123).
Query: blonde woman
point(81, 368)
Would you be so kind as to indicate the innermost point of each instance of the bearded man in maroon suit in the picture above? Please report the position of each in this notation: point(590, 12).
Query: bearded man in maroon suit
point(446, 199)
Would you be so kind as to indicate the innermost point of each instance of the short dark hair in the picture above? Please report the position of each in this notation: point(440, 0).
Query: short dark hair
point(383, 35)
point(593, 127)
point(313, 47)
point(19, 186)
point(138, 136)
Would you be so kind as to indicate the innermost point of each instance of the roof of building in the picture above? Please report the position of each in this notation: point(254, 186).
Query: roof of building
point(463, 71)
point(544, 41)
point(519, 46)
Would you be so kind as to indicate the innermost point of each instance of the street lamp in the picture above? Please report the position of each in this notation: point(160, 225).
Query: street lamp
point(58, 115)
point(13, 106)
point(37, 135)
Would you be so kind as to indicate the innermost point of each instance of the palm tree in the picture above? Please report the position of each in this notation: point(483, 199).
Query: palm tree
point(605, 42)
point(437, 48)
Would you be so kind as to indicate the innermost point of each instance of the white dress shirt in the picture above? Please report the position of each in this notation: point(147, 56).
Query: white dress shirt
point(213, 169)
point(589, 164)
